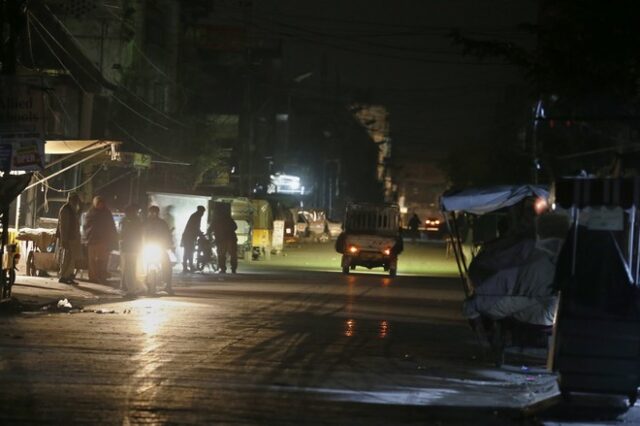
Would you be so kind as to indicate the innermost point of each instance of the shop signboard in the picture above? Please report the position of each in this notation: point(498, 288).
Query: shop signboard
point(21, 151)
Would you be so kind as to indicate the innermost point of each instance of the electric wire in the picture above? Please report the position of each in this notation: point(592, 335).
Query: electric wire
point(62, 64)
point(79, 44)
point(99, 83)
point(135, 140)
point(46, 184)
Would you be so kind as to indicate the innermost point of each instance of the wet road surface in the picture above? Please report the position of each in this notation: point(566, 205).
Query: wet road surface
point(263, 348)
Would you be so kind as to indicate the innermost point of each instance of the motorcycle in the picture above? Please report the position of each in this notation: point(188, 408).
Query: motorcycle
point(153, 256)
point(206, 254)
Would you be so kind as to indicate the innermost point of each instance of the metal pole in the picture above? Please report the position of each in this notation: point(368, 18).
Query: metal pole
point(576, 220)
point(454, 245)
point(632, 224)
point(18, 211)
point(67, 168)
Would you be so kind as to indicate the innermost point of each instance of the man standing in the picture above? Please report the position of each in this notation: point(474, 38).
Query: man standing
point(224, 230)
point(69, 238)
point(157, 231)
point(131, 233)
point(414, 225)
point(101, 234)
point(189, 236)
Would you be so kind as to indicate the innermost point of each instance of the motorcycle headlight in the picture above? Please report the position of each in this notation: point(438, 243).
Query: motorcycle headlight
point(151, 253)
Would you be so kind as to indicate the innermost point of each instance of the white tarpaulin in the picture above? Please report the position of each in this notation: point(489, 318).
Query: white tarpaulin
point(484, 200)
point(59, 147)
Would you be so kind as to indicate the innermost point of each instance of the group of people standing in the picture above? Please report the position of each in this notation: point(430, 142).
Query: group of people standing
point(102, 237)
point(100, 234)
point(223, 228)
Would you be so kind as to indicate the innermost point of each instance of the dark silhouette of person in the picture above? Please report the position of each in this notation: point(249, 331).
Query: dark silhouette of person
point(224, 231)
point(157, 231)
point(189, 237)
point(102, 237)
point(414, 225)
point(131, 232)
point(68, 233)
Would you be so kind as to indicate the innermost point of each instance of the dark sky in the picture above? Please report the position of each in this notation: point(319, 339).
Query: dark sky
point(400, 51)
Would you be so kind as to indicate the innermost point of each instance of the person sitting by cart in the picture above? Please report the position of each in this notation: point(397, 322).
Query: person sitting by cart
point(157, 231)
point(224, 231)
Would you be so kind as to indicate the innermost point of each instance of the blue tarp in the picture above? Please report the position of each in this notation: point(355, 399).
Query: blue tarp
point(484, 200)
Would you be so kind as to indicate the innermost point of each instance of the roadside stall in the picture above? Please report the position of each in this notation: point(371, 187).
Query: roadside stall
point(506, 246)
point(596, 342)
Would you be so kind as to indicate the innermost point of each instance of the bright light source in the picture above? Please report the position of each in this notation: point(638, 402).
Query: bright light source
point(287, 184)
point(353, 249)
point(151, 255)
point(387, 251)
point(540, 205)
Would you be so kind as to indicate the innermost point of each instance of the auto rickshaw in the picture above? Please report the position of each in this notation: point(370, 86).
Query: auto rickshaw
point(371, 237)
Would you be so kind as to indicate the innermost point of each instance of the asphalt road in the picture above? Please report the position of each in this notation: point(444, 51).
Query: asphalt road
point(268, 346)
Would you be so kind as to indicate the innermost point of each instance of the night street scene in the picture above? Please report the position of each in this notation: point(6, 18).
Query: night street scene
point(336, 212)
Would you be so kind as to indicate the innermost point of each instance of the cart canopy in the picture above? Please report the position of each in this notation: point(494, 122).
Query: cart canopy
point(485, 200)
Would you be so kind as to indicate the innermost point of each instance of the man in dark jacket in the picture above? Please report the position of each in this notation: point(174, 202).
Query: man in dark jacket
point(157, 231)
point(102, 237)
point(189, 236)
point(131, 233)
point(69, 238)
point(224, 230)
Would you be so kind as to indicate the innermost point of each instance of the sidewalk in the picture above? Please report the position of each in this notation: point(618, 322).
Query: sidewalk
point(38, 291)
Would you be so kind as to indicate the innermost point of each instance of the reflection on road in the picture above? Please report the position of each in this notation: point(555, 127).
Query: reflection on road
point(349, 327)
point(151, 316)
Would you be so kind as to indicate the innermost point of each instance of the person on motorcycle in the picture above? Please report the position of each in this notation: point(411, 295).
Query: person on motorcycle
point(131, 233)
point(157, 231)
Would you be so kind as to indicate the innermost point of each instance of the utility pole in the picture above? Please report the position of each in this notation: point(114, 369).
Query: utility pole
point(10, 17)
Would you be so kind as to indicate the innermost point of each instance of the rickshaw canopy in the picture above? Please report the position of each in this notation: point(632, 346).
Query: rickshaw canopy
point(488, 199)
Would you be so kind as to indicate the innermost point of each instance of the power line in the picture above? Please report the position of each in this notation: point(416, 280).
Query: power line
point(346, 48)
point(117, 84)
point(46, 184)
point(135, 140)
point(96, 81)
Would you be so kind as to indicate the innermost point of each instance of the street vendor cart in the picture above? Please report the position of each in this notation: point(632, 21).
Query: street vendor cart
point(41, 250)
point(506, 246)
point(596, 342)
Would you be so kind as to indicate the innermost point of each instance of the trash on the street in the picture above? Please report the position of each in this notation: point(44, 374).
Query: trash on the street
point(105, 311)
point(64, 304)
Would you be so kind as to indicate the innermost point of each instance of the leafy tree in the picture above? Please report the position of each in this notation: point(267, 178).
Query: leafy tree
point(583, 69)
